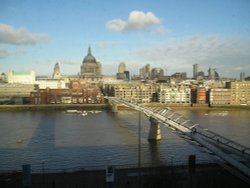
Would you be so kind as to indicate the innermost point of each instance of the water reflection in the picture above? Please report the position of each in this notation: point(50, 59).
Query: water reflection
point(68, 140)
point(233, 124)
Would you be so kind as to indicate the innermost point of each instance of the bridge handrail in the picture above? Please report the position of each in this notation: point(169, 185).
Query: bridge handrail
point(199, 129)
point(197, 133)
point(225, 141)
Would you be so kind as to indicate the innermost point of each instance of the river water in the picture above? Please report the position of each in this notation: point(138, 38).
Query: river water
point(61, 141)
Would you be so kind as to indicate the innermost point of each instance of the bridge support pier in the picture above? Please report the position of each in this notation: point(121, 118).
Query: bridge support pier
point(154, 131)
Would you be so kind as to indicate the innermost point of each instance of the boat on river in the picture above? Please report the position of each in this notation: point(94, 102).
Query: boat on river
point(74, 111)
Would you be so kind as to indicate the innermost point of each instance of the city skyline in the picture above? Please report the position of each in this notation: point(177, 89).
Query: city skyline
point(172, 35)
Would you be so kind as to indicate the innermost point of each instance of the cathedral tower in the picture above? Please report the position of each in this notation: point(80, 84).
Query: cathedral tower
point(56, 73)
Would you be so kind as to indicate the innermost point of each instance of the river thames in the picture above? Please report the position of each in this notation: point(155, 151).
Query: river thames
point(60, 141)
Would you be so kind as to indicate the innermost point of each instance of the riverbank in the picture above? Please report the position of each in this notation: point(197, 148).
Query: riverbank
point(205, 175)
point(51, 107)
point(223, 108)
point(58, 107)
point(197, 106)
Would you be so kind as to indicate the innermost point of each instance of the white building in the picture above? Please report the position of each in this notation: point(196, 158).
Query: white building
point(139, 93)
point(21, 77)
point(15, 90)
point(175, 95)
point(220, 96)
point(51, 83)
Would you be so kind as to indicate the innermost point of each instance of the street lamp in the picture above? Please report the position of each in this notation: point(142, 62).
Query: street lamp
point(139, 147)
point(43, 161)
point(172, 164)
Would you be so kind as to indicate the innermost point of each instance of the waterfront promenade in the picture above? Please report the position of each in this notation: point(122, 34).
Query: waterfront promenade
point(205, 176)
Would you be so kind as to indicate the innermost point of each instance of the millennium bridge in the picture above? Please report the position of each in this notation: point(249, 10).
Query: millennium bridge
point(235, 155)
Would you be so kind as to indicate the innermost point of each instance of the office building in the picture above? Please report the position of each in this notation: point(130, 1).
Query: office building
point(219, 96)
point(196, 70)
point(179, 76)
point(21, 77)
point(145, 72)
point(157, 73)
point(138, 93)
point(240, 92)
point(122, 68)
point(51, 83)
point(122, 74)
point(212, 74)
point(242, 76)
point(175, 95)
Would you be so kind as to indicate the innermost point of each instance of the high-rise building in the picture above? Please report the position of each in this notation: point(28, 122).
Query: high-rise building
point(56, 73)
point(180, 76)
point(121, 67)
point(122, 74)
point(200, 76)
point(127, 73)
point(242, 76)
point(157, 73)
point(196, 70)
point(145, 72)
point(212, 74)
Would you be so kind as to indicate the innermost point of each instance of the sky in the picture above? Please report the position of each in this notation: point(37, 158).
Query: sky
point(170, 34)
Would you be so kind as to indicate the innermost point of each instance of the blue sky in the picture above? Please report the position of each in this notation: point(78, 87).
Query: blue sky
point(172, 35)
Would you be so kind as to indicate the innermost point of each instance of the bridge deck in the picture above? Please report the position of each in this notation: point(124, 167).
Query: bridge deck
point(232, 152)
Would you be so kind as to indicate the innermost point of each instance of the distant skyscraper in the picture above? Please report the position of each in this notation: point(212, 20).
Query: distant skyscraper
point(213, 75)
point(200, 76)
point(56, 73)
point(242, 76)
point(127, 73)
point(145, 72)
point(156, 73)
point(122, 68)
point(122, 73)
point(196, 70)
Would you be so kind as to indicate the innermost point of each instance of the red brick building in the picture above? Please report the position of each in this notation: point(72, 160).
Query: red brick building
point(79, 92)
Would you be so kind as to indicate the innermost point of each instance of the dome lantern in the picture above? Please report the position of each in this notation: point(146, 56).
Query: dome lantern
point(89, 58)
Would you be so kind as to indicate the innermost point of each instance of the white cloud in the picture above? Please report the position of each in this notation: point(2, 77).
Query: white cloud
point(116, 25)
point(20, 36)
point(137, 20)
point(180, 54)
point(67, 62)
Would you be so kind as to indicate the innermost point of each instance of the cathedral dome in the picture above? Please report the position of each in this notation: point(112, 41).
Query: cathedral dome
point(89, 58)
point(90, 67)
